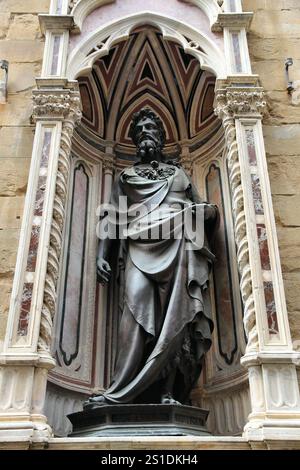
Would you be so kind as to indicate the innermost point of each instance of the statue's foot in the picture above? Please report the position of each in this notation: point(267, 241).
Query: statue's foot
point(95, 401)
point(167, 399)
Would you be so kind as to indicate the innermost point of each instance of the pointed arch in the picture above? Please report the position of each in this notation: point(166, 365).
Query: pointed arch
point(83, 8)
point(98, 44)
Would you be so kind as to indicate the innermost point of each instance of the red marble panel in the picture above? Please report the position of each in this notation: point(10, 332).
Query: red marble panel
point(225, 314)
point(271, 308)
point(33, 247)
point(263, 246)
point(25, 309)
point(71, 315)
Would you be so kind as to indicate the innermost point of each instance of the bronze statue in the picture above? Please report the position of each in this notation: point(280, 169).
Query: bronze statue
point(166, 325)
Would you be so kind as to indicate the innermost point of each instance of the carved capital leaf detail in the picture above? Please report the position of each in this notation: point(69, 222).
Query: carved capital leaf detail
point(60, 105)
point(108, 163)
point(240, 101)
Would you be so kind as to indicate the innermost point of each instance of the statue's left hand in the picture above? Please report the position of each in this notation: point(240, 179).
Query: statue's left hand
point(210, 211)
point(103, 271)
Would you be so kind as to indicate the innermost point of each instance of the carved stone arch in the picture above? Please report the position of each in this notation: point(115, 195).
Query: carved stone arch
point(97, 44)
point(80, 9)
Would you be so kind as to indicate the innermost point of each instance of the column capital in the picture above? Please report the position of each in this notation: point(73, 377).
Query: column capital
point(240, 102)
point(55, 22)
point(57, 104)
point(233, 20)
point(108, 162)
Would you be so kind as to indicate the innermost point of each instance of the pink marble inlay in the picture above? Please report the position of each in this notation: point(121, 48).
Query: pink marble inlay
point(25, 309)
point(232, 5)
point(263, 247)
point(33, 246)
point(59, 6)
point(237, 52)
point(56, 46)
point(46, 149)
point(251, 147)
point(271, 308)
point(40, 196)
point(257, 199)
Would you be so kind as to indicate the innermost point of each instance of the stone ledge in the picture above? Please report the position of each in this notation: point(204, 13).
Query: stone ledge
point(233, 20)
point(150, 443)
point(55, 22)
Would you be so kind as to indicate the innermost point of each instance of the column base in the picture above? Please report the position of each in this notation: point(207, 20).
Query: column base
point(274, 433)
point(24, 432)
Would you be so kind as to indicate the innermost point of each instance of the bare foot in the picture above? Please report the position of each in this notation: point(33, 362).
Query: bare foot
point(95, 401)
point(167, 399)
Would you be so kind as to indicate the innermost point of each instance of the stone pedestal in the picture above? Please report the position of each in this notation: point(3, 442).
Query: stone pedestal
point(140, 420)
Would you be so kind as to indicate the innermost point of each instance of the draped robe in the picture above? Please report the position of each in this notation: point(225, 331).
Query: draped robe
point(166, 324)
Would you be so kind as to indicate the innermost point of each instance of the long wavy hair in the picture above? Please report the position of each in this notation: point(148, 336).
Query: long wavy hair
point(147, 113)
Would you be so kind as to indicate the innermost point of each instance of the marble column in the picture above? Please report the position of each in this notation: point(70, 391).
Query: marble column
point(269, 356)
point(25, 359)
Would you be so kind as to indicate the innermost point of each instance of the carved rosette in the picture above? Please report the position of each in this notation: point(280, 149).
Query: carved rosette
point(66, 106)
point(233, 104)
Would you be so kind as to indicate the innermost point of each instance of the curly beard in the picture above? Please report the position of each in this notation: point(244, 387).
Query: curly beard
point(148, 148)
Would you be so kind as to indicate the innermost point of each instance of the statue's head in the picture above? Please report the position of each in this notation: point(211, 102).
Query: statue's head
point(148, 133)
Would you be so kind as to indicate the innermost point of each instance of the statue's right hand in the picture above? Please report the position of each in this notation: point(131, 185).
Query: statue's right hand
point(103, 271)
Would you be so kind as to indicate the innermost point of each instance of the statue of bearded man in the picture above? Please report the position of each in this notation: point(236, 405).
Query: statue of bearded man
point(163, 271)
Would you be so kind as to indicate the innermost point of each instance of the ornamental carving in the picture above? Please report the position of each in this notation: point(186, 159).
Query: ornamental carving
point(61, 105)
point(228, 105)
point(108, 163)
point(235, 101)
point(155, 173)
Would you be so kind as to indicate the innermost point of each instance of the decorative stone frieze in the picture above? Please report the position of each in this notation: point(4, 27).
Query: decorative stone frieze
point(62, 104)
point(240, 101)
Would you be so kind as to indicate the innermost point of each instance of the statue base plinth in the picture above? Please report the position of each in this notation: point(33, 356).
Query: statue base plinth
point(140, 420)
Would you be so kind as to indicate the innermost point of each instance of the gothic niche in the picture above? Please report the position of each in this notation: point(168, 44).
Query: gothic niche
point(144, 70)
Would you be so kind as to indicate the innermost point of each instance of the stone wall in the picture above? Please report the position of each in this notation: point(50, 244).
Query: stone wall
point(274, 36)
point(21, 43)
